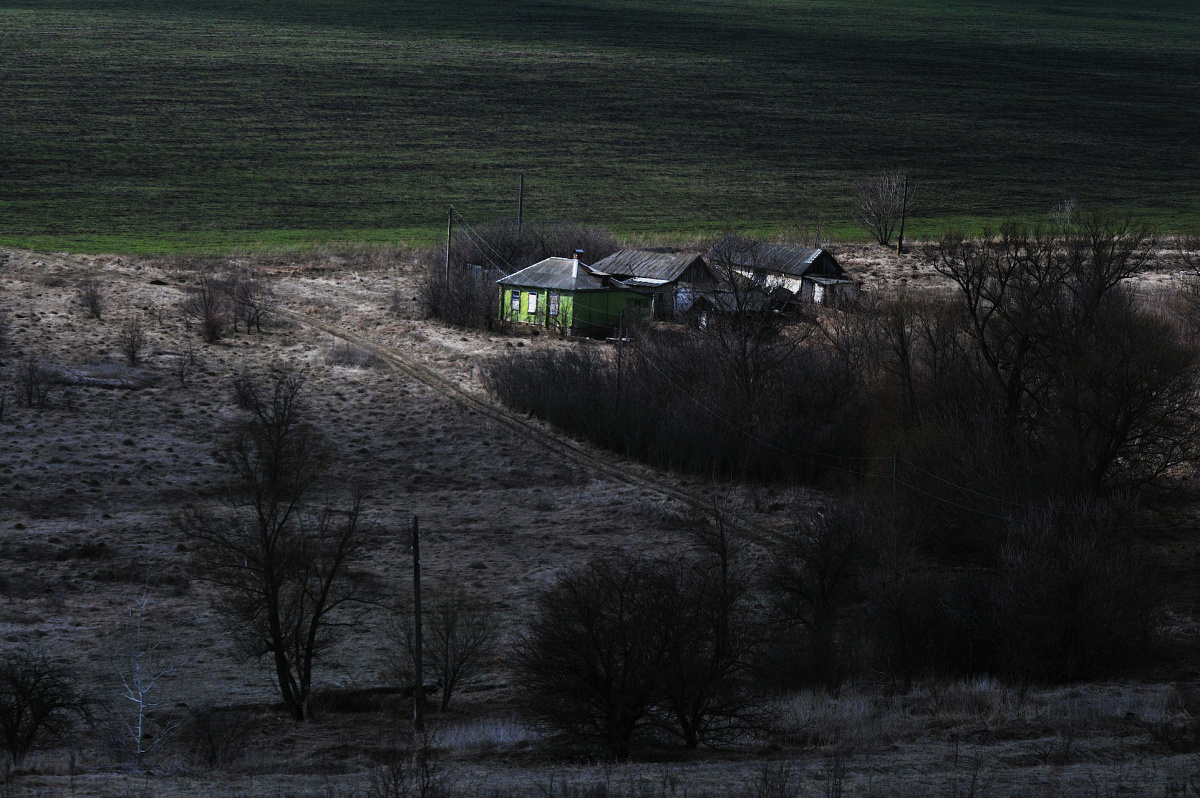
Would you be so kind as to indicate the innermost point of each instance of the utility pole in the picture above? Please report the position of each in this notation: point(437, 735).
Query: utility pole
point(620, 347)
point(449, 233)
point(903, 214)
point(520, 206)
point(418, 670)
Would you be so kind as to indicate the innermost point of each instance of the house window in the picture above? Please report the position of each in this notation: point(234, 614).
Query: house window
point(514, 303)
point(553, 305)
point(531, 306)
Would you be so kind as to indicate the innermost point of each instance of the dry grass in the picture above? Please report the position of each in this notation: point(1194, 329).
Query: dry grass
point(88, 487)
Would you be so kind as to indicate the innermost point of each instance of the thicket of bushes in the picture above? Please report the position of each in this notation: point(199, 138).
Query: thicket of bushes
point(996, 445)
point(691, 648)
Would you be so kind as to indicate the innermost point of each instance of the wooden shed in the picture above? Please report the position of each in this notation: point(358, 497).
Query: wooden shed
point(813, 274)
point(672, 277)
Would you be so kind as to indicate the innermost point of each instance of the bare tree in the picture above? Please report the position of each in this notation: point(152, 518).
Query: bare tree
point(281, 567)
point(143, 729)
point(206, 304)
point(704, 694)
point(91, 296)
point(746, 331)
point(39, 702)
point(814, 577)
point(882, 202)
point(460, 636)
point(132, 340)
point(591, 658)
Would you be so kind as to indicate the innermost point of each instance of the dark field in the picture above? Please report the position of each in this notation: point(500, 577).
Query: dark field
point(161, 125)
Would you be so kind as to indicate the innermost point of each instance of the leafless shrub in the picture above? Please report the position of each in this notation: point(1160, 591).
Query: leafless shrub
point(412, 770)
point(624, 645)
point(460, 635)
point(1188, 246)
point(92, 296)
point(206, 304)
point(1073, 595)
point(185, 362)
point(132, 340)
point(774, 780)
point(39, 702)
point(589, 660)
point(218, 735)
point(34, 381)
point(251, 299)
point(347, 353)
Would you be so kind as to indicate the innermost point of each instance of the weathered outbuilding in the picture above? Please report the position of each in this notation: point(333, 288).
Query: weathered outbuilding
point(813, 274)
point(672, 277)
point(564, 294)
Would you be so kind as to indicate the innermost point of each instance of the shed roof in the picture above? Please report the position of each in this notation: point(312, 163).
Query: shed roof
point(654, 264)
point(796, 261)
point(554, 273)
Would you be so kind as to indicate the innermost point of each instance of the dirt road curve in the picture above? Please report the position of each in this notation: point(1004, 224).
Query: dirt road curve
point(556, 444)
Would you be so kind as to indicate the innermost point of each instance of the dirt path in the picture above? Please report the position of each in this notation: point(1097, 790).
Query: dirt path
point(605, 466)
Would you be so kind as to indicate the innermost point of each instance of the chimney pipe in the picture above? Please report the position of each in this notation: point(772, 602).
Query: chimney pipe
point(575, 265)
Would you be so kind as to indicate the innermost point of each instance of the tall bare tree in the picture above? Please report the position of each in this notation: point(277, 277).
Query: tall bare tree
point(281, 565)
point(39, 702)
point(882, 203)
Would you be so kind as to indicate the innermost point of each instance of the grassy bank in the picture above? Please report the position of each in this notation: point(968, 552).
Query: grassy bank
point(156, 125)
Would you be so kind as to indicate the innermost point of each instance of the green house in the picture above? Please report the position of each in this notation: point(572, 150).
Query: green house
point(564, 294)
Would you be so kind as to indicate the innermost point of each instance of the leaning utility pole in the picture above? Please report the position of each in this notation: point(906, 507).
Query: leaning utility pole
point(520, 206)
point(418, 670)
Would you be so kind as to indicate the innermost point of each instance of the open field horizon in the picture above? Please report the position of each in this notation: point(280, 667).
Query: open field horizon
point(156, 126)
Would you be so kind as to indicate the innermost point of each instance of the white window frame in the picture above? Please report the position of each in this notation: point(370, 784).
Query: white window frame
point(531, 303)
point(514, 302)
point(552, 304)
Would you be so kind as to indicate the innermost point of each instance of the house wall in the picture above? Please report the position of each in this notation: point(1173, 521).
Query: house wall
point(542, 316)
point(587, 312)
point(597, 312)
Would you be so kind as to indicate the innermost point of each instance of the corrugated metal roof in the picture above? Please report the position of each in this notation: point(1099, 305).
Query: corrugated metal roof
point(655, 264)
point(553, 273)
point(796, 261)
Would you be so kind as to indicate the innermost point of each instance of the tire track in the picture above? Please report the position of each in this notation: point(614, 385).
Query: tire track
point(559, 445)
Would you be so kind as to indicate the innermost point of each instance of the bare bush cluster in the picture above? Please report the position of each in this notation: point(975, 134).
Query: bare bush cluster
point(463, 292)
point(92, 297)
point(626, 647)
point(220, 300)
point(460, 636)
point(34, 381)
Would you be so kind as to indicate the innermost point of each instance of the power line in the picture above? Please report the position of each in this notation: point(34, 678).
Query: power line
point(485, 243)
